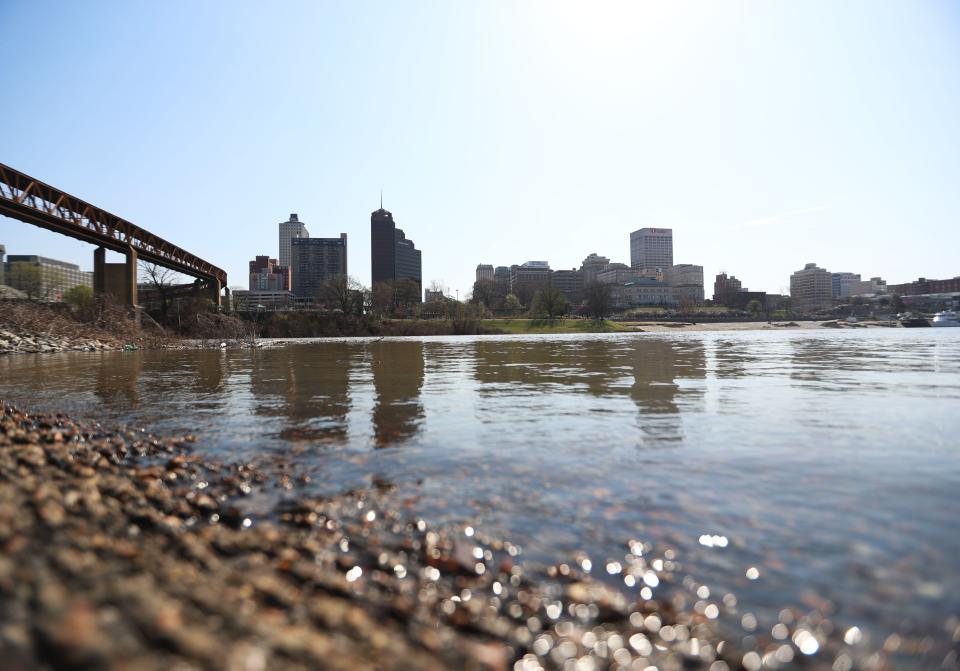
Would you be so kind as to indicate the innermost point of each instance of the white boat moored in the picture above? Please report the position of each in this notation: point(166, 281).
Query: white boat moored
point(945, 318)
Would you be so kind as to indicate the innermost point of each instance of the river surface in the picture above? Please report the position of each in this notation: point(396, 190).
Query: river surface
point(818, 470)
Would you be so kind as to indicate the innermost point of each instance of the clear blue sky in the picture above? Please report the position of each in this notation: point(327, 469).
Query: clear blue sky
point(766, 134)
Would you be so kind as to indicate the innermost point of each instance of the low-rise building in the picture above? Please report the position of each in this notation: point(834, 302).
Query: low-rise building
point(742, 299)
point(432, 296)
point(617, 273)
point(872, 287)
point(923, 286)
point(501, 280)
point(642, 292)
point(527, 279)
point(44, 278)
point(591, 266)
point(570, 284)
point(262, 301)
point(687, 282)
point(724, 287)
point(267, 274)
point(773, 302)
point(811, 289)
point(840, 283)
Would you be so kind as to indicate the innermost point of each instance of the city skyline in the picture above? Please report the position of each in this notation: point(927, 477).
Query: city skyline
point(769, 145)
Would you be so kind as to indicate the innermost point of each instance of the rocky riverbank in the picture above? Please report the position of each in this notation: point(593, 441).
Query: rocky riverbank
point(34, 343)
point(123, 550)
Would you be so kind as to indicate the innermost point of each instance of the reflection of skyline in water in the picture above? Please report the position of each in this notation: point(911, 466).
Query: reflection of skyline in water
point(647, 370)
point(398, 374)
point(308, 392)
point(776, 438)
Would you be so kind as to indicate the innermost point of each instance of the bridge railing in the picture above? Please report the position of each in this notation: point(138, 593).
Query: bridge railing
point(29, 199)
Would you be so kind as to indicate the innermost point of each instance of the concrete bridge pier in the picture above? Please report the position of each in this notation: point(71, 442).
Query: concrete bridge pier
point(118, 280)
point(215, 289)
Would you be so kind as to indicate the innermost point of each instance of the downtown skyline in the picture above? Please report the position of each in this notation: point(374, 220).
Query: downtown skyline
point(768, 145)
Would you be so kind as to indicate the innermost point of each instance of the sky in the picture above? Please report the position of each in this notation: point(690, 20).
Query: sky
point(766, 134)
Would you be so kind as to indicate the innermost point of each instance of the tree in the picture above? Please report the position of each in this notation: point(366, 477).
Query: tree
point(80, 298)
point(27, 277)
point(687, 304)
point(344, 293)
point(406, 294)
point(484, 293)
point(549, 303)
point(511, 303)
point(161, 280)
point(597, 298)
point(381, 299)
point(898, 304)
point(754, 307)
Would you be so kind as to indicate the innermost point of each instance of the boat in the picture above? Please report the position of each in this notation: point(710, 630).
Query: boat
point(945, 318)
point(907, 320)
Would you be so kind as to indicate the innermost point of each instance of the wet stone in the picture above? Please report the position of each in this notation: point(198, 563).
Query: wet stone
point(112, 556)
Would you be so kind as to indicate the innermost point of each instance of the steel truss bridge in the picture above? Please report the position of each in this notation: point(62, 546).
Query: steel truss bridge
point(34, 202)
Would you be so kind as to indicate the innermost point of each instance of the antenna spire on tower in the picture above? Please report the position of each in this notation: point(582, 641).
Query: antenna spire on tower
point(381, 199)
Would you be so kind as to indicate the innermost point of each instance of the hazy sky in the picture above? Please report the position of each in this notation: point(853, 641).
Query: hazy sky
point(766, 134)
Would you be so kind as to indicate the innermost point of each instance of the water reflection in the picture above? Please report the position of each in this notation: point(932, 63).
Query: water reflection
point(398, 373)
point(308, 390)
point(658, 367)
point(647, 370)
point(117, 384)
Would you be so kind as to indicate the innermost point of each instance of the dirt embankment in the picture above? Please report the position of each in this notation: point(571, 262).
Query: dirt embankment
point(37, 327)
point(31, 327)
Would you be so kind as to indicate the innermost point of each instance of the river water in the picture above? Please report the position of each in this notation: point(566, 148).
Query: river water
point(817, 470)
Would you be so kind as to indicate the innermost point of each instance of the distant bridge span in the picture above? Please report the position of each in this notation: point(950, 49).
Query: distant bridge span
point(34, 202)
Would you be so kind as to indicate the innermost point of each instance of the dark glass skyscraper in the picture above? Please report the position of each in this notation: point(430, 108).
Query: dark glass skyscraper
point(315, 261)
point(383, 261)
point(392, 256)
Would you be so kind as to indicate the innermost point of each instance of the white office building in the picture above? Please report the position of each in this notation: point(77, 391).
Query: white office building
point(651, 248)
point(290, 229)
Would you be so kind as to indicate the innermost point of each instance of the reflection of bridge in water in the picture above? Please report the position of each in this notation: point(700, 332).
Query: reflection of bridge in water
point(29, 200)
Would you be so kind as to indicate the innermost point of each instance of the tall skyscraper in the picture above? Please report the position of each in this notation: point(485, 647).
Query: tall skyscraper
point(651, 248)
point(290, 229)
point(316, 260)
point(484, 272)
point(392, 256)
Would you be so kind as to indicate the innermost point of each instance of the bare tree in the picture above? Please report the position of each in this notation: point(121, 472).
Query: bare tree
point(484, 293)
point(344, 293)
point(381, 299)
point(161, 280)
point(597, 298)
point(26, 277)
point(406, 294)
point(549, 303)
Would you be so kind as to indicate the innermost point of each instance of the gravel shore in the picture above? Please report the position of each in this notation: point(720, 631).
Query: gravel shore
point(119, 550)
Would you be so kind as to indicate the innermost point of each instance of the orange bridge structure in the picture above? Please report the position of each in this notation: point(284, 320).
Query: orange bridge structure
point(34, 202)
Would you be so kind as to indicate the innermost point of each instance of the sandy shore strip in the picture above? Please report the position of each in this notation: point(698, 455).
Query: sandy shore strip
point(673, 327)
